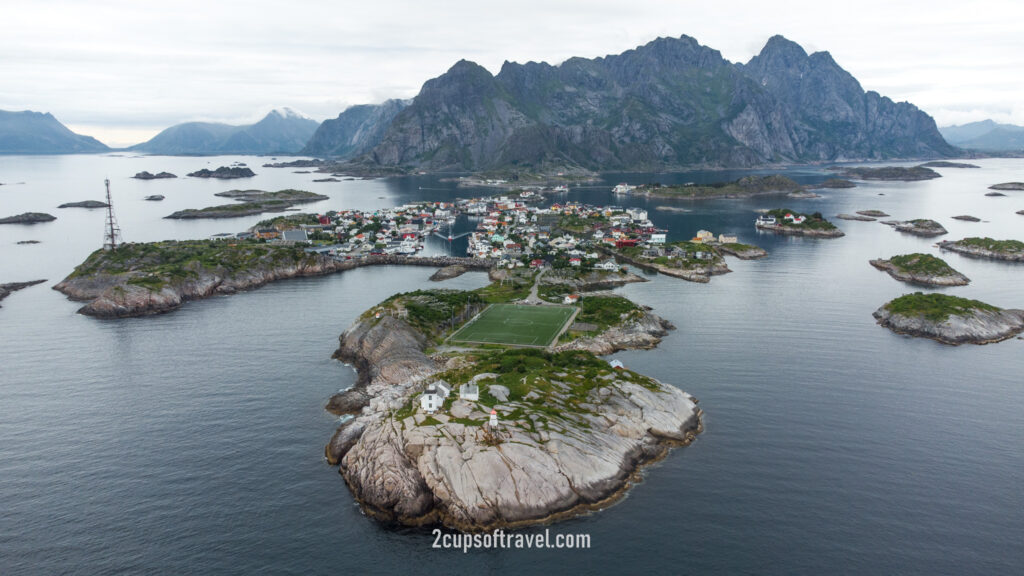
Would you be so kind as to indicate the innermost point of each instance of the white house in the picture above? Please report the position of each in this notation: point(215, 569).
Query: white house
point(609, 265)
point(434, 397)
point(617, 364)
point(469, 391)
point(657, 239)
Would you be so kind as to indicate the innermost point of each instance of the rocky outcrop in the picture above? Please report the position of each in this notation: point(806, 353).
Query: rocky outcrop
point(1008, 186)
point(448, 272)
point(973, 327)
point(139, 293)
point(640, 334)
point(589, 282)
point(919, 227)
point(856, 217)
point(947, 164)
point(889, 173)
point(144, 175)
point(224, 173)
point(798, 231)
point(948, 277)
point(250, 202)
point(355, 131)
point(28, 218)
point(967, 218)
point(84, 204)
point(1008, 250)
point(834, 183)
point(7, 289)
point(742, 251)
point(873, 213)
point(154, 198)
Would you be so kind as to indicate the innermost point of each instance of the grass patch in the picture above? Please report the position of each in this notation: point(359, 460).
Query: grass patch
point(1003, 246)
point(923, 264)
point(515, 325)
point(935, 307)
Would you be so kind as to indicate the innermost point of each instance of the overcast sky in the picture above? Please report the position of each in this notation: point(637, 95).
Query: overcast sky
point(123, 70)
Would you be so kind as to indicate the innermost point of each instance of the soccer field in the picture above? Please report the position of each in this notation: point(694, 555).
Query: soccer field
point(516, 325)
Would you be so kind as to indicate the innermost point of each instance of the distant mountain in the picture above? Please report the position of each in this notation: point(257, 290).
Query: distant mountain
point(279, 132)
point(986, 135)
point(669, 104)
point(355, 131)
point(37, 133)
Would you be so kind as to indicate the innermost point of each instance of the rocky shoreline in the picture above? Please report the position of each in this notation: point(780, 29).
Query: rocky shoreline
point(954, 278)
point(746, 253)
point(123, 295)
point(7, 289)
point(28, 218)
point(448, 471)
point(797, 231)
point(700, 275)
point(974, 327)
point(920, 227)
point(976, 251)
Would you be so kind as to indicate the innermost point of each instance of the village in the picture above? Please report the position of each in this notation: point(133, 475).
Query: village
point(513, 232)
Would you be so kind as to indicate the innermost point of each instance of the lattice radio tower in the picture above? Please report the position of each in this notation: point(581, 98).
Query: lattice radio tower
point(112, 234)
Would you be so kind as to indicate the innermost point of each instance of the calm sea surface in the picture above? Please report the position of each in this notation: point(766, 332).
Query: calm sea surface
point(192, 442)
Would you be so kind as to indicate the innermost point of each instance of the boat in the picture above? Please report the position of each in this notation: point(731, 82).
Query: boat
point(765, 220)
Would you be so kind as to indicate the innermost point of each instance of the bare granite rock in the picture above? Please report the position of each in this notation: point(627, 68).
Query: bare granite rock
point(976, 327)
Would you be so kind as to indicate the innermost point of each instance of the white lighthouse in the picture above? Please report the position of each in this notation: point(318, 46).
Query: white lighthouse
point(493, 424)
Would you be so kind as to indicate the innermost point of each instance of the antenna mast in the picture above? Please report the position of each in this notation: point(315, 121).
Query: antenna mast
point(112, 235)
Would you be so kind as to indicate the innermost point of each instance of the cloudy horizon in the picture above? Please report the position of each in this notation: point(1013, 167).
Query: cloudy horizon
point(122, 71)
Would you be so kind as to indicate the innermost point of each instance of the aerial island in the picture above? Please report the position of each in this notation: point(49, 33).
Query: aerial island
point(949, 319)
point(1009, 250)
point(1008, 186)
point(144, 175)
point(793, 223)
point(28, 218)
point(84, 204)
point(10, 287)
point(948, 164)
point(224, 173)
point(918, 227)
point(923, 269)
point(888, 173)
point(478, 414)
point(250, 202)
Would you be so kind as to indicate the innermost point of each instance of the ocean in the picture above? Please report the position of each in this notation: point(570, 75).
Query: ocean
point(192, 442)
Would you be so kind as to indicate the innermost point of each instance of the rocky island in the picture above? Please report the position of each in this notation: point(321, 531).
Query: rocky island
point(949, 319)
point(250, 202)
point(516, 437)
point(1008, 186)
point(923, 269)
point(742, 251)
point(224, 173)
point(144, 175)
point(948, 164)
point(918, 227)
point(84, 204)
point(7, 289)
point(855, 217)
point(1009, 250)
point(154, 198)
point(888, 173)
point(792, 223)
point(833, 183)
point(873, 213)
point(967, 218)
point(743, 188)
point(28, 218)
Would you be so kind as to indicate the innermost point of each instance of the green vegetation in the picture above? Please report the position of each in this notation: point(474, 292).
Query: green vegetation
point(155, 264)
point(922, 264)
point(431, 311)
point(288, 221)
point(515, 325)
point(1004, 246)
point(935, 307)
point(746, 186)
point(607, 311)
point(889, 173)
point(740, 247)
point(814, 221)
point(546, 390)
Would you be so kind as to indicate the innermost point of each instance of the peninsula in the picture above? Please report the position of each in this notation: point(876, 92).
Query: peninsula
point(949, 319)
point(1009, 250)
point(484, 438)
point(923, 269)
point(10, 287)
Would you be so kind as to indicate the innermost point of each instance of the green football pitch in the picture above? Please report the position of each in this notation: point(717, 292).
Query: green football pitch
point(515, 325)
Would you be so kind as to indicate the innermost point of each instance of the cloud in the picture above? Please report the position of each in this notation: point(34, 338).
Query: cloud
point(141, 64)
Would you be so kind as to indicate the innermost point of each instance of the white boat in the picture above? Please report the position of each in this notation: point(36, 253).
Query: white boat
point(764, 220)
point(622, 189)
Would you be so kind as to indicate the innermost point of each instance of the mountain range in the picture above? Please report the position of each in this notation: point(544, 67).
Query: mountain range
point(279, 132)
point(38, 133)
point(671, 103)
point(986, 135)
